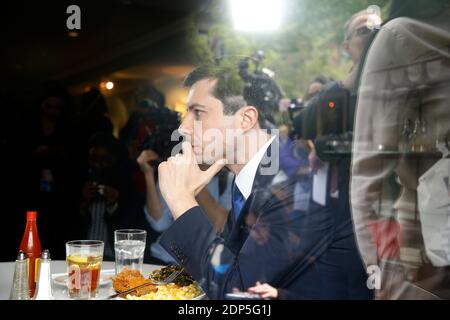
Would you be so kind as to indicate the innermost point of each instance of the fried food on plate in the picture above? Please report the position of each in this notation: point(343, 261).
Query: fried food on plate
point(128, 279)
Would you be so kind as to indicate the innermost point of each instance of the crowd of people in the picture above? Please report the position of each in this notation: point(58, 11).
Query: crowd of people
point(64, 161)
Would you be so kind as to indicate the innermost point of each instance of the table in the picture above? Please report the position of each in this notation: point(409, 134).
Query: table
point(59, 267)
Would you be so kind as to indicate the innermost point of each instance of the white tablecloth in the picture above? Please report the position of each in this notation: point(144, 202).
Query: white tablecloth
point(59, 267)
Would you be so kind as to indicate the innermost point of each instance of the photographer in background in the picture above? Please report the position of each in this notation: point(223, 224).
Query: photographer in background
point(42, 156)
point(328, 115)
point(295, 153)
point(356, 38)
point(260, 89)
point(101, 194)
point(149, 127)
point(327, 118)
point(146, 95)
point(315, 87)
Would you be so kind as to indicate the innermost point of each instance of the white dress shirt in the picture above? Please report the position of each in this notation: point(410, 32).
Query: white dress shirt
point(245, 178)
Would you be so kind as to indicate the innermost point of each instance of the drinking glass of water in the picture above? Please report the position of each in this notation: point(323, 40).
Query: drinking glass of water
point(129, 246)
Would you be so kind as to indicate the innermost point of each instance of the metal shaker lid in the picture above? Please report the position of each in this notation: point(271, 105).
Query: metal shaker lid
point(21, 256)
point(45, 254)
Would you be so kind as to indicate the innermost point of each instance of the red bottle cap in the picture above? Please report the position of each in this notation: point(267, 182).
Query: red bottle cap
point(31, 215)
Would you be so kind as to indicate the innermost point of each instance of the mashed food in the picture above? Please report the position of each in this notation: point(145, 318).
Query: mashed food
point(171, 292)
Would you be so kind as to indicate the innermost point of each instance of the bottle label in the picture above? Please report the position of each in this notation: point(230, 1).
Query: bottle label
point(37, 262)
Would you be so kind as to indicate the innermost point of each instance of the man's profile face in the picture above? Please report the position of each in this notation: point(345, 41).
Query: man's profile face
point(205, 126)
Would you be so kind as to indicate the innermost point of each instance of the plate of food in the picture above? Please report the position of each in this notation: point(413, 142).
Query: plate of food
point(183, 287)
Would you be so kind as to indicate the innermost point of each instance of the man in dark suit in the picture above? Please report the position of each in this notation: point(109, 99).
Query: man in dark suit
point(309, 255)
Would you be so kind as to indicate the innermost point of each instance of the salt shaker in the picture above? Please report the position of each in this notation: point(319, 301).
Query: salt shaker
point(44, 284)
point(20, 289)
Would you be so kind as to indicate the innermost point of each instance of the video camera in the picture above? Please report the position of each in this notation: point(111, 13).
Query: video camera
point(260, 89)
point(328, 120)
point(295, 108)
point(161, 122)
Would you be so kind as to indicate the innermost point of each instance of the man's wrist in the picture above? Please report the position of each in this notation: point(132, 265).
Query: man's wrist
point(181, 205)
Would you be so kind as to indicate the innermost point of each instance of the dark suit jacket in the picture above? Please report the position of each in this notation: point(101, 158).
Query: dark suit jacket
point(310, 255)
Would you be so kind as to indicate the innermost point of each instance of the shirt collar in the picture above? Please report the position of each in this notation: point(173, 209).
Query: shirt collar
point(244, 180)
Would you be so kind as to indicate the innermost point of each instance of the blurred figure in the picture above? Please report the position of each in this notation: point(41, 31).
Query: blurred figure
point(131, 135)
point(45, 134)
point(356, 37)
point(42, 147)
point(143, 125)
point(295, 164)
point(315, 87)
point(11, 186)
point(326, 120)
point(402, 115)
point(297, 157)
point(93, 117)
point(102, 193)
point(94, 113)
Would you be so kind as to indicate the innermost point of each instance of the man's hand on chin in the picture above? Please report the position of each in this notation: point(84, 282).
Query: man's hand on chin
point(180, 180)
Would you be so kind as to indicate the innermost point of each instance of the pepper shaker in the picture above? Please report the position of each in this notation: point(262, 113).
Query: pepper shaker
point(20, 289)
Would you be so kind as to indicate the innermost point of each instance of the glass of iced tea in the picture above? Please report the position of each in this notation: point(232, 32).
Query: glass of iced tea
point(84, 260)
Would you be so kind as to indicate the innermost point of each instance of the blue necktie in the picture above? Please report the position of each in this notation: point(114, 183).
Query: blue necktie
point(238, 201)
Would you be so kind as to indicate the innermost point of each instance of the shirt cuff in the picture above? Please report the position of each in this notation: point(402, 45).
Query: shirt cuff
point(162, 223)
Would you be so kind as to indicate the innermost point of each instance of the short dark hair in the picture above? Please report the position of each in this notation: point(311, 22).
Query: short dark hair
point(228, 89)
point(321, 79)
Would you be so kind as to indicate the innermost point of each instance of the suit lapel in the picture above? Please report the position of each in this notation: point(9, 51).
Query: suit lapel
point(261, 193)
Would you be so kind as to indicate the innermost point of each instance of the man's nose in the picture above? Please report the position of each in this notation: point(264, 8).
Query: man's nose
point(186, 127)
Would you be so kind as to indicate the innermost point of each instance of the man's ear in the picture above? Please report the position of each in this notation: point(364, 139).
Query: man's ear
point(248, 118)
